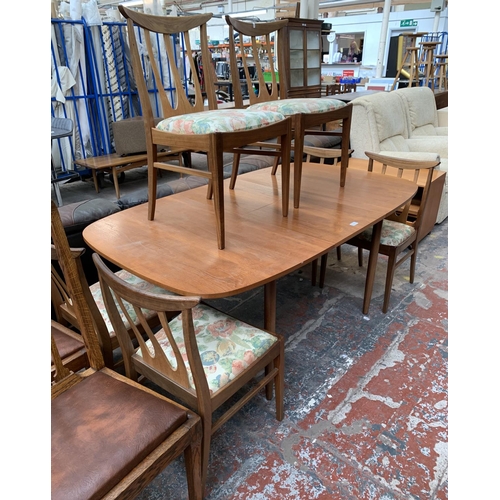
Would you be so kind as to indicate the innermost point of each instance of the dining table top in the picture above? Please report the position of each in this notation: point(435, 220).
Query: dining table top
point(178, 249)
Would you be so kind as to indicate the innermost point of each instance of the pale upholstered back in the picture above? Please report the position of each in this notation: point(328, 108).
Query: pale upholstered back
point(421, 111)
point(379, 122)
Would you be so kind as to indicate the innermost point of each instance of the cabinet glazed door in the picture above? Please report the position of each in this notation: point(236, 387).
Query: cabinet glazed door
point(297, 62)
point(313, 76)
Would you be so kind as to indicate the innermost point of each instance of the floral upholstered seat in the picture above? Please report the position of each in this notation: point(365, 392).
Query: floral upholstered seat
point(290, 107)
point(393, 233)
point(221, 120)
point(227, 346)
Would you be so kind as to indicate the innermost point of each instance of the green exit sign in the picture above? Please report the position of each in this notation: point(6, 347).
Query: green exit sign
point(405, 23)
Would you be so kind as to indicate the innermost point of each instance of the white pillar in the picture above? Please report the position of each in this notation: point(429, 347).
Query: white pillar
point(304, 10)
point(437, 17)
point(383, 38)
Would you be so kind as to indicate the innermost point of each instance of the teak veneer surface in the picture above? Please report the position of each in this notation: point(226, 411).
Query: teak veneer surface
point(178, 249)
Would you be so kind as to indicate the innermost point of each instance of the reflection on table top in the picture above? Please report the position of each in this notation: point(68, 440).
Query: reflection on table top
point(178, 250)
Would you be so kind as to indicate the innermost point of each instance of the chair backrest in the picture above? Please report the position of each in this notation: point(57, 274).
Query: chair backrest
point(63, 301)
point(340, 88)
point(71, 351)
point(323, 154)
point(116, 293)
point(420, 172)
point(82, 312)
point(162, 61)
point(258, 55)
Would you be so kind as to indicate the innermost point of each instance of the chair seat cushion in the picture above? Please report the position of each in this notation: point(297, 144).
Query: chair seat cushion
point(393, 233)
point(140, 284)
point(101, 429)
point(294, 106)
point(227, 346)
point(220, 120)
point(66, 345)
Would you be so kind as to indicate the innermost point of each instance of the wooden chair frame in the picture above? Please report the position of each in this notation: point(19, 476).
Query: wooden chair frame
point(76, 359)
point(153, 364)
point(303, 123)
point(409, 247)
point(213, 144)
point(186, 439)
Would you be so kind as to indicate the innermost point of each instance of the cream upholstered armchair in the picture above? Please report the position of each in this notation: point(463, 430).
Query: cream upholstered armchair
point(386, 122)
point(424, 117)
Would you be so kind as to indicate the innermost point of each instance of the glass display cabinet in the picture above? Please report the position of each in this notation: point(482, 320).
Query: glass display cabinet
point(301, 51)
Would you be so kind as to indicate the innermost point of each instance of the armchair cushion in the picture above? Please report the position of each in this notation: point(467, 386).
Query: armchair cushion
point(421, 111)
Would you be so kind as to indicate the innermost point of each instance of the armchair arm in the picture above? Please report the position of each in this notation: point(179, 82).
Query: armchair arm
point(429, 144)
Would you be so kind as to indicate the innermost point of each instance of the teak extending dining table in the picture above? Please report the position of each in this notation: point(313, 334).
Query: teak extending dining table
point(178, 249)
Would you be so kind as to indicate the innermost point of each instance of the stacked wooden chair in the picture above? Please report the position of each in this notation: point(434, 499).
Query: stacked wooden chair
point(309, 115)
point(187, 124)
point(203, 357)
point(111, 436)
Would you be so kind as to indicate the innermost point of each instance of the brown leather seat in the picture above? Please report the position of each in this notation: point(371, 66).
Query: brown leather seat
point(66, 345)
point(80, 471)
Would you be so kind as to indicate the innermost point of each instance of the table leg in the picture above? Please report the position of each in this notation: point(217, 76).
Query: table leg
point(270, 306)
point(269, 323)
point(372, 265)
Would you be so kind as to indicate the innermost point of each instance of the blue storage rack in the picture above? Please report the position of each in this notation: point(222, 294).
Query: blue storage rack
point(103, 91)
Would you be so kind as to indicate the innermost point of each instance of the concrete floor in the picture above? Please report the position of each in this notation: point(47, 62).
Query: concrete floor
point(366, 397)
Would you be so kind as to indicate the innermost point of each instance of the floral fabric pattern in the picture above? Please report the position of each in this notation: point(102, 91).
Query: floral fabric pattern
point(227, 346)
point(131, 279)
point(393, 233)
point(222, 120)
point(307, 105)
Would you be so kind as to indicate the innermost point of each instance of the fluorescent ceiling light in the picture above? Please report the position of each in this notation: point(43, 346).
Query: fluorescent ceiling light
point(133, 3)
point(249, 13)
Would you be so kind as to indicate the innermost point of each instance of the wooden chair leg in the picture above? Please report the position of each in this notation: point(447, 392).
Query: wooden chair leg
point(215, 161)
point(360, 257)
point(372, 266)
point(114, 172)
point(269, 387)
point(205, 447)
point(152, 181)
point(297, 159)
point(234, 171)
point(279, 383)
point(339, 252)
point(192, 461)
point(391, 267)
point(413, 261)
point(276, 160)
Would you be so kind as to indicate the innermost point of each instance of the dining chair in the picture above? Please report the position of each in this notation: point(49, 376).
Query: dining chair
point(63, 303)
point(71, 348)
point(309, 114)
point(400, 231)
point(340, 88)
point(158, 44)
point(110, 436)
point(203, 356)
